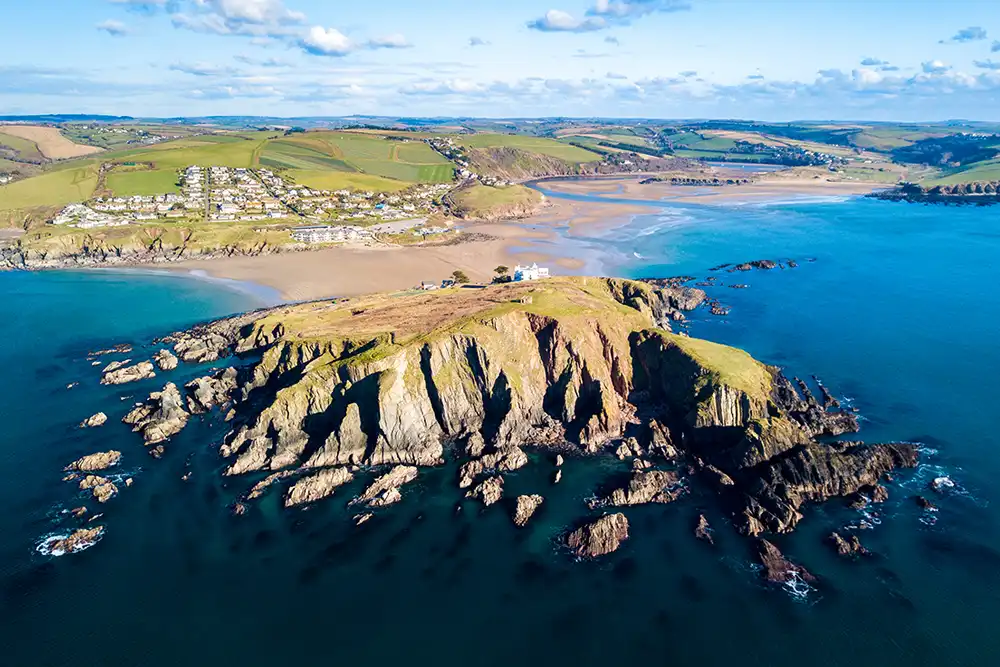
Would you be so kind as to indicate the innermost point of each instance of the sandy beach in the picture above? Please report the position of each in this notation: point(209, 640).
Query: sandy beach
point(349, 271)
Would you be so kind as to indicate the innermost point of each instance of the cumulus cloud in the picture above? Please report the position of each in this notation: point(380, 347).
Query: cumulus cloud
point(257, 18)
point(987, 64)
point(971, 34)
point(605, 14)
point(995, 46)
point(934, 67)
point(873, 62)
point(556, 20)
point(113, 28)
point(144, 6)
point(477, 41)
point(320, 41)
point(395, 41)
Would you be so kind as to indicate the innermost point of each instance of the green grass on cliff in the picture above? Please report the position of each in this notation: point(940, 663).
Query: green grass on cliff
point(729, 365)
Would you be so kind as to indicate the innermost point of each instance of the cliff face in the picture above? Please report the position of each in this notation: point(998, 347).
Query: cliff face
point(564, 362)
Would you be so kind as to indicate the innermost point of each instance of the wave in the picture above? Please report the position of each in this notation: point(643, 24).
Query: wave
point(790, 201)
point(47, 545)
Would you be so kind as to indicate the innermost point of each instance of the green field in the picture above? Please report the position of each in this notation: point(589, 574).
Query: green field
point(142, 182)
point(25, 149)
point(54, 188)
point(341, 180)
point(542, 146)
point(988, 170)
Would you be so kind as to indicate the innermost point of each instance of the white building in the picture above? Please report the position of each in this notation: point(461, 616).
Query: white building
point(533, 272)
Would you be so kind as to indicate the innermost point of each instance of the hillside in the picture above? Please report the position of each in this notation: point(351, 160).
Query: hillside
point(570, 364)
point(481, 202)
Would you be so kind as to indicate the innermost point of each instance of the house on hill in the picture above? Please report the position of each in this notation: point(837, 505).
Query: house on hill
point(533, 272)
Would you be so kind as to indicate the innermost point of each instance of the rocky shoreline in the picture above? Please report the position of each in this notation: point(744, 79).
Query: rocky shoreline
point(962, 194)
point(314, 412)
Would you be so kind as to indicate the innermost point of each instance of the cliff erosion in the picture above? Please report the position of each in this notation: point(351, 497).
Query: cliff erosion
point(567, 363)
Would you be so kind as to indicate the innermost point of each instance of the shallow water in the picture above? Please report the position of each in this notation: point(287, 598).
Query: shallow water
point(898, 312)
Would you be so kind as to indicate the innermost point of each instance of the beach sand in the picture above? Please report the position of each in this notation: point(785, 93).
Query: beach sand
point(350, 271)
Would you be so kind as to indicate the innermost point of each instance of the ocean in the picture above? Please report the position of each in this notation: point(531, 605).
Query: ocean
point(893, 306)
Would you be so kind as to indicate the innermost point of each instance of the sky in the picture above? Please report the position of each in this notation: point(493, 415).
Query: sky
point(903, 60)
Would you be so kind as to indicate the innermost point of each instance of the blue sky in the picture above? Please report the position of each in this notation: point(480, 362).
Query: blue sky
point(763, 59)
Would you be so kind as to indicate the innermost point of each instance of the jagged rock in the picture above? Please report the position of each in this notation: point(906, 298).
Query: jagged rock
point(95, 462)
point(101, 488)
point(939, 484)
point(778, 569)
point(160, 417)
point(100, 419)
point(847, 546)
point(165, 360)
point(78, 512)
point(524, 508)
point(880, 494)
point(650, 486)
point(504, 460)
point(258, 489)
point(489, 491)
point(157, 452)
point(121, 348)
point(141, 371)
point(641, 464)
point(475, 445)
point(317, 486)
point(115, 365)
point(205, 393)
point(719, 477)
point(923, 503)
point(702, 530)
point(239, 509)
point(346, 445)
point(78, 540)
point(558, 477)
point(600, 537)
point(659, 440)
point(385, 490)
point(362, 518)
point(559, 460)
point(629, 448)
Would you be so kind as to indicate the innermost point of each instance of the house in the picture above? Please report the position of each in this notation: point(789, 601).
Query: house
point(318, 234)
point(426, 286)
point(533, 272)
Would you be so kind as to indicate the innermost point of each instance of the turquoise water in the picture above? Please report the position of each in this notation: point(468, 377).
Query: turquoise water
point(899, 312)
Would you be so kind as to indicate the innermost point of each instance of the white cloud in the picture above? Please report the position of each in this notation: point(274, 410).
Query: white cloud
point(629, 8)
point(873, 62)
point(616, 76)
point(256, 18)
point(971, 34)
point(201, 69)
point(987, 64)
point(395, 41)
point(556, 20)
point(478, 41)
point(322, 41)
point(113, 28)
point(934, 67)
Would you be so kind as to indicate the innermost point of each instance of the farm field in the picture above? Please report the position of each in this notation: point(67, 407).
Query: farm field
point(53, 188)
point(549, 147)
point(50, 141)
point(988, 170)
point(142, 182)
point(340, 180)
point(23, 148)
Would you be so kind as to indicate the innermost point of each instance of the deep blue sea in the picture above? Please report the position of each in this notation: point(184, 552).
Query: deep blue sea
point(898, 314)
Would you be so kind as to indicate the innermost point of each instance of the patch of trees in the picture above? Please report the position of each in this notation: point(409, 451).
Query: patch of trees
point(632, 148)
point(955, 151)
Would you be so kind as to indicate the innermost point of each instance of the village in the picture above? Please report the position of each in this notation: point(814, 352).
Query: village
point(225, 194)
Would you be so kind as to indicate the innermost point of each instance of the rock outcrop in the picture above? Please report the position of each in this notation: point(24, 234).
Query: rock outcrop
point(95, 462)
point(649, 486)
point(160, 417)
point(504, 460)
point(525, 508)
point(489, 491)
point(102, 488)
point(165, 360)
point(94, 421)
point(76, 541)
point(702, 530)
point(600, 537)
point(317, 486)
point(847, 546)
point(141, 371)
point(777, 568)
point(385, 490)
point(206, 393)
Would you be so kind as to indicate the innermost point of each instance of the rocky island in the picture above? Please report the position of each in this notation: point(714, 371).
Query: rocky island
point(376, 388)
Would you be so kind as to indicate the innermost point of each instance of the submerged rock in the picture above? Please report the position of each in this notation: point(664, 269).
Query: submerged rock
point(160, 417)
point(94, 421)
point(489, 491)
point(503, 460)
point(778, 569)
point(78, 512)
point(141, 371)
point(702, 530)
point(317, 486)
point(925, 504)
point(102, 488)
point(76, 541)
point(849, 546)
point(258, 489)
point(600, 537)
point(385, 490)
point(165, 360)
point(525, 507)
point(95, 462)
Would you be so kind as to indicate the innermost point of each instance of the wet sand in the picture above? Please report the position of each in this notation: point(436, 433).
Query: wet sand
point(349, 271)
